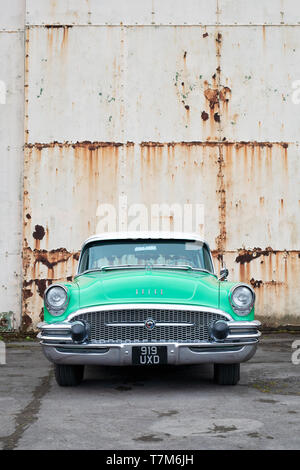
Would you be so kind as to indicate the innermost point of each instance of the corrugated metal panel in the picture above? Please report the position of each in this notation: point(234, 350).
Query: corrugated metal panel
point(141, 91)
point(274, 275)
point(181, 173)
point(12, 15)
point(145, 12)
point(11, 170)
point(184, 172)
point(74, 89)
point(203, 86)
point(259, 12)
point(259, 65)
point(166, 12)
point(262, 196)
point(171, 78)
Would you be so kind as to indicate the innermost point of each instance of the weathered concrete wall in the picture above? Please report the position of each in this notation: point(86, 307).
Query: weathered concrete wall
point(164, 102)
point(11, 160)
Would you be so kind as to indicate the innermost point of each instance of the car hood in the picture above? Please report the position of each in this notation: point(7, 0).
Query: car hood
point(142, 286)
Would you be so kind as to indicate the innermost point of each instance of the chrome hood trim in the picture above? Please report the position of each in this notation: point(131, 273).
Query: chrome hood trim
point(139, 306)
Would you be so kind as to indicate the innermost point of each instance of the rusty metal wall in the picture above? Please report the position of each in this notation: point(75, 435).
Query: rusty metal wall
point(11, 158)
point(164, 102)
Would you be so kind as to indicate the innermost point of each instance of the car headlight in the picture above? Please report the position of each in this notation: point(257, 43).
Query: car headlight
point(56, 299)
point(242, 298)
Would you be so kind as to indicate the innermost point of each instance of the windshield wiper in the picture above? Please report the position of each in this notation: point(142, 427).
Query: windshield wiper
point(109, 267)
point(145, 266)
point(186, 267)
point(88, 271)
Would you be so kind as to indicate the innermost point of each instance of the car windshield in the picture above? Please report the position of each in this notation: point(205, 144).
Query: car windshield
point(163, 253)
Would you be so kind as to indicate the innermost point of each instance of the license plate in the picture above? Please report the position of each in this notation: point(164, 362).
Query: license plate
point(149, 355)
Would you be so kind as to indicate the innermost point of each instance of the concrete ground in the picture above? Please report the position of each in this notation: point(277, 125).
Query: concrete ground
point(169, 408)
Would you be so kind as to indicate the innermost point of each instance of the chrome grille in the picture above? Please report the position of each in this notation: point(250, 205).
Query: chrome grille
point(101, 332)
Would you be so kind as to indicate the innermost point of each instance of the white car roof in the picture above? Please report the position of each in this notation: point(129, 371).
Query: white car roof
point(144, 235)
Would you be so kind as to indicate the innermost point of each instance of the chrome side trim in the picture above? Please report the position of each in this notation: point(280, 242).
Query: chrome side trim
point(244, 324)
point(56, 339)
point(244, 336)
point(56, 326)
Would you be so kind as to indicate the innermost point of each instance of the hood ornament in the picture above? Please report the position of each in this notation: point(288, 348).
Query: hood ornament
point(150, 324)
point(148, 266)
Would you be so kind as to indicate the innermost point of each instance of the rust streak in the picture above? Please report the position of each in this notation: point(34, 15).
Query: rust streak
point(84, 144)
point(95, 145)
point(221, 238)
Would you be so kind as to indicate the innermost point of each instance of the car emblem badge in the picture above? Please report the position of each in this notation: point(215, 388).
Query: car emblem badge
point(150, 324)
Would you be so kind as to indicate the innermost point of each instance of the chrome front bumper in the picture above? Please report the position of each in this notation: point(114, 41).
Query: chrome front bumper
point(239, 346)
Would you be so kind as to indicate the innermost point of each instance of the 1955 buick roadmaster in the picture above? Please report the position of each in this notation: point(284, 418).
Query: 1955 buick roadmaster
point(148, 299)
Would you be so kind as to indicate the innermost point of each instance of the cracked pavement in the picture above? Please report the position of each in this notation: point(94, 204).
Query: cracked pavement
point(155, 408)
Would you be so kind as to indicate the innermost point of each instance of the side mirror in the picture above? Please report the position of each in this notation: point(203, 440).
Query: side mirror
point(223, 274)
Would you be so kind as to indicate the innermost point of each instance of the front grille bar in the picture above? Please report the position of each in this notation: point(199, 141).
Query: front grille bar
point(143, 324)
point(127, 325)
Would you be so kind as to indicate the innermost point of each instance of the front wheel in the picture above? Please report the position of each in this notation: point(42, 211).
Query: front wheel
point(68, 376)
point(226, 374)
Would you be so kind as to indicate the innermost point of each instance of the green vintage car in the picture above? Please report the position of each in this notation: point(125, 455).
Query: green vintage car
point(148, 299)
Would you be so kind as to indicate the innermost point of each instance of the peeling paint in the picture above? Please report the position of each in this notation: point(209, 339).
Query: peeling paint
point(225, 94)
point(49, 259)
point(41, 269)
point(246, 256)
point(217, 117)
point(212, 95)
point(39, 232)
point(255, 283)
